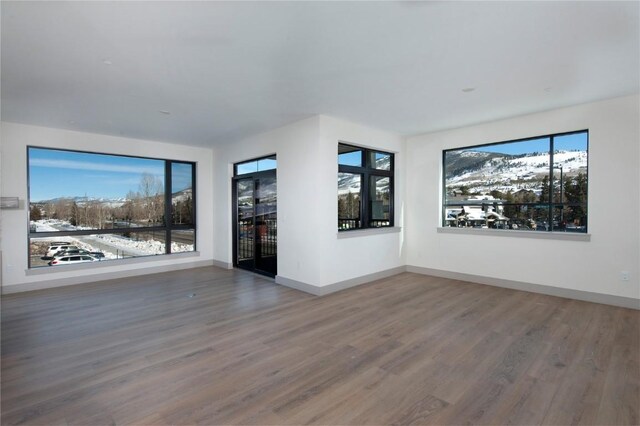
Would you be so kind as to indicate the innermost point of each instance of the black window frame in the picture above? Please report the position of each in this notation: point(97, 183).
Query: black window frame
point(549, 204)
point(367, 171)
point(167, 228)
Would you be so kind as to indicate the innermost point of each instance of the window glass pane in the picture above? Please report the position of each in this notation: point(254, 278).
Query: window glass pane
point(99, 247)
point(518, 181)
point(72, 192)
point(182, 193)
point(504, 179)
point(517, 170)
point(570, 169)
point(268, 163)
point(76, 190)
point(380, 201)
point(349, 155)
point(380, 160)
point(349, 189)
point(183, 240)
point(249, 167)
point(262, 164)
point(245, 218)
point(373, 205)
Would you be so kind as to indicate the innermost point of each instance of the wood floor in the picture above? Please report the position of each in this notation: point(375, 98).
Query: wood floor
point(212, 346)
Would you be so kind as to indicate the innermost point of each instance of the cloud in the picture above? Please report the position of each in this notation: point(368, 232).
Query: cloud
point(87, 165)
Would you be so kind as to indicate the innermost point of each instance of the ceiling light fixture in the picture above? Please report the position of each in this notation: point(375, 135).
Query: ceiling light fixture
point(468, 89)
point(162, 111)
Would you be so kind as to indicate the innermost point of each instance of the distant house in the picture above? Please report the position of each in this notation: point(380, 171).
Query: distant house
point(477, 211)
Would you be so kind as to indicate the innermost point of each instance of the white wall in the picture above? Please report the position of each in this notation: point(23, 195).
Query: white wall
point(309, 250)
point(296, 147)
point(614, 178)
point(14, 223)
point(348, 258)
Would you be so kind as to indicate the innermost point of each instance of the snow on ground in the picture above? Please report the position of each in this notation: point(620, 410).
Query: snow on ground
point(112, 245)
point(138, 248)
point(44, 226)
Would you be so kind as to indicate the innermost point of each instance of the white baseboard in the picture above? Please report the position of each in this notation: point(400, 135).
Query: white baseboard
point(61, 282)
point(607, 299)
point(223, 265)
point(341, 285)
point(587, 296)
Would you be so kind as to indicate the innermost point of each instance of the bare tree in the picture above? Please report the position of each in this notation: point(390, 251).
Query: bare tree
point(151, 191)
point(97, 214)
point(49, 210)
point(62, 209)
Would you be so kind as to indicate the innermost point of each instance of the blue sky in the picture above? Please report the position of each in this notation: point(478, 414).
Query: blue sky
point(576, 141)
point(257, 166)
point(54, 174)
point(353, 158)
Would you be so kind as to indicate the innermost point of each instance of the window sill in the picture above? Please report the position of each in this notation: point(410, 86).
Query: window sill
point(540, 235)
point(42, 270)
point(369, 231)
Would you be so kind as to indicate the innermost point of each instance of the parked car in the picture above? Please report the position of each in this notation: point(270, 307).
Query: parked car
point(53, 249)
point(71, 252)
point(70, 260)
point(97, 254)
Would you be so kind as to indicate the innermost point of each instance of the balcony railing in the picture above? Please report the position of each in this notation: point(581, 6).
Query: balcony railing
point(348, 224)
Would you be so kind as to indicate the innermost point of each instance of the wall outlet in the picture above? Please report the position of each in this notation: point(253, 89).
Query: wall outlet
point(624, 275)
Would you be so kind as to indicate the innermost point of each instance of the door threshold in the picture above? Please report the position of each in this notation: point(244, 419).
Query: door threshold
point(266, 275)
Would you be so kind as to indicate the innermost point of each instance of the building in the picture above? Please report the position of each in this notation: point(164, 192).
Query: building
point(245, 95)
point(477, 211)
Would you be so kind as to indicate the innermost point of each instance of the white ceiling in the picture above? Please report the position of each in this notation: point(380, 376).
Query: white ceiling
point(228, 70)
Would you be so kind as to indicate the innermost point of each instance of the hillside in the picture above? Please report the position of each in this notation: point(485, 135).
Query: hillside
point(482, 172)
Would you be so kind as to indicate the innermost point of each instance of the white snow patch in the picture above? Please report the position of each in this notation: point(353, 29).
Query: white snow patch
point(119, 244)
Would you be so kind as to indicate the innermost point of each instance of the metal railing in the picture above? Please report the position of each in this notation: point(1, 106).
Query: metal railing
point(264, 236)
point(347, 224)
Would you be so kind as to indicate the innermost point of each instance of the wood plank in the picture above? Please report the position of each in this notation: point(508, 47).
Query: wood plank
point(408, 349)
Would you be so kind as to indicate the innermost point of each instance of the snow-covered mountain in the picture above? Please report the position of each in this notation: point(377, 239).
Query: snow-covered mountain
point(81, 201)
point(110, 202)
point(181, 196)
point(351, 183)
point(482, 172)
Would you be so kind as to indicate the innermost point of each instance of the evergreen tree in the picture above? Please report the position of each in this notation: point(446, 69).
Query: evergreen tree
point(75, 214)
point(509, 211)
point(575, 192)
point(496, 194)
point(35, 213)
point(544, 195)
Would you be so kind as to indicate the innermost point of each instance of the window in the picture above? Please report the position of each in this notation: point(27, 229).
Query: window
point(88, 206)
point(365, 188)
point(258, 165)
point(537, 184)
